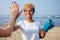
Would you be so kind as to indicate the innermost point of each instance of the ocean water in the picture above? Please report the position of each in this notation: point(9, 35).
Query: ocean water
point(5, 19)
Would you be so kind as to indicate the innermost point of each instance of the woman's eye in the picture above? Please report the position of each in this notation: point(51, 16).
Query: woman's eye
point(30, 10)
point(25, 10)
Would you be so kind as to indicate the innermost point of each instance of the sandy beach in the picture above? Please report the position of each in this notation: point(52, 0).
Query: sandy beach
point(52, 34)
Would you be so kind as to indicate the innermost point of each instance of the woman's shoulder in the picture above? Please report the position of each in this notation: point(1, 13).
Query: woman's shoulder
point(37, 22)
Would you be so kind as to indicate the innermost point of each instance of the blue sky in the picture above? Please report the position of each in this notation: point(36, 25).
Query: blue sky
point(42, 7)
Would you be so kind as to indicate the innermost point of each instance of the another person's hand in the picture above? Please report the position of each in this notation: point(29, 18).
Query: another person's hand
point(15, 10)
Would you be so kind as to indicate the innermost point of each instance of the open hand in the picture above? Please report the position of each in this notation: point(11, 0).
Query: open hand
point(15, 10)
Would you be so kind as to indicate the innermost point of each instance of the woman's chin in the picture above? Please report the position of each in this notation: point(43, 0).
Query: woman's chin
point(28, 17)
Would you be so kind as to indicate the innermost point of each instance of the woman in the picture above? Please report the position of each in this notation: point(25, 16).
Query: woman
point(30, 28)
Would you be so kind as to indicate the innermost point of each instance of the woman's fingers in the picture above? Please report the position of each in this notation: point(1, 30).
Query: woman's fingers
point(19, 13)
point(15, 9)
point(14, 2)
point(14, 5)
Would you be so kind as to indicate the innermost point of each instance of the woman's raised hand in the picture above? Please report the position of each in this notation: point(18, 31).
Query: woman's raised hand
point(14, 9)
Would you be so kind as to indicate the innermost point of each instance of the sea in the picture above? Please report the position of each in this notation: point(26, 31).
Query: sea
point(4, 20)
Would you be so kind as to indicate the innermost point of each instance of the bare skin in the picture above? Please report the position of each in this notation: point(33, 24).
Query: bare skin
point(14, 15)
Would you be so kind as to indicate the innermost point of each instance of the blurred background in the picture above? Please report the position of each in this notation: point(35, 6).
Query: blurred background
point(44, 10)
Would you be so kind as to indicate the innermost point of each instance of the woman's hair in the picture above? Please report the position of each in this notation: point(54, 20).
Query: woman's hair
point(29, 5)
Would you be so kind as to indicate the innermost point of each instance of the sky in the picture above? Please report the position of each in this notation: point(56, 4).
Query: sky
point(42, 7)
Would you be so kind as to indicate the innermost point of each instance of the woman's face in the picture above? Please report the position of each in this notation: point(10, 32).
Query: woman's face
point(28, 13)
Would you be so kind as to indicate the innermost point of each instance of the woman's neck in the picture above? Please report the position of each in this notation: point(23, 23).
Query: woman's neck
point(30, 20)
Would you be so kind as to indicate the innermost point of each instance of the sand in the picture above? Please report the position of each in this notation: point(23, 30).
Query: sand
point(52, 34)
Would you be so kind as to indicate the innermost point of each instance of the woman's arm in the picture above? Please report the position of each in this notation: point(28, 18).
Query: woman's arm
point(14, 14)
point(7, 32)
